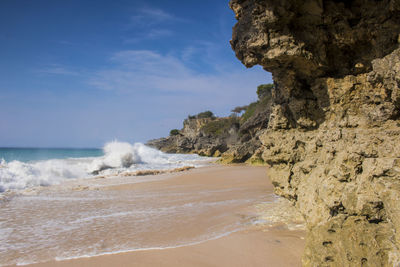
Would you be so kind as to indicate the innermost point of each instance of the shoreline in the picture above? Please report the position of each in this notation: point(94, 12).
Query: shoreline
point(252, 247)
point(272, 242)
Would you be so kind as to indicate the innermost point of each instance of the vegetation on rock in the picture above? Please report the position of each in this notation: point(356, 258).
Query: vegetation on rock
point(251, 108)
point(174, 132)
point(265, 90)
point(203, 115)
point(239, 109)
point(220, 126)
point(264, 96)
point(233, 138)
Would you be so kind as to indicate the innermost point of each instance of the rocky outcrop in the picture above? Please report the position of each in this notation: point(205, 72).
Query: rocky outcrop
point(188, 140)
point(235, 139)
point(333, 137)
point(203, 136)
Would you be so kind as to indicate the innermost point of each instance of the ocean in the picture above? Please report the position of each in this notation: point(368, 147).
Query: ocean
point(59, 204)
point(35, 154)
point(22, 168)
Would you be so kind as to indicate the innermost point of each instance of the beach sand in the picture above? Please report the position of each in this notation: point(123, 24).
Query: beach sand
point(255, 243)
point(273, 247)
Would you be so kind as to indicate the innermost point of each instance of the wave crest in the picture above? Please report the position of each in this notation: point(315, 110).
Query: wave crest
point(118, 157)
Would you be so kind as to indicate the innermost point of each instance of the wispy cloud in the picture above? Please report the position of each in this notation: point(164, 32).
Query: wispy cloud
point(149, 24)
point(151, 34)
point(140, 70)
point(152, 74)
point(152, 16)
point(157, 33)
point(55, 69)
point(207, 49)
point(156, 13)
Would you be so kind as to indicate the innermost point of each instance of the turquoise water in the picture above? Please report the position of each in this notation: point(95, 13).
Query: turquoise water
point(34, 154)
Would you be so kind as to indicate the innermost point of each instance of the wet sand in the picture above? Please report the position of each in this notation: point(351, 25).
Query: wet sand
point(215, 222)
point(273, 247)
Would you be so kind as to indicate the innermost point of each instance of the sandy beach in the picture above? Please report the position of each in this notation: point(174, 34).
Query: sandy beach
point(273, 247)
point(216, 220)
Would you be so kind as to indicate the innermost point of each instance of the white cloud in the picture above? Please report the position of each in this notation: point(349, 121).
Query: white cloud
point(151, 17)
point(149, 24)
point(156, 13)
point(157, 33)
point(150, 73)
point(151, 34)
point(188, 53)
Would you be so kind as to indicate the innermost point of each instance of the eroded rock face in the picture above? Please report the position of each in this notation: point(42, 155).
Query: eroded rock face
point(333, 138)
point(193, 138)
point(300, 41)
point(230, 138)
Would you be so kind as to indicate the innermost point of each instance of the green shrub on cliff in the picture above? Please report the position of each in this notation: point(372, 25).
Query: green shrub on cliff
point(202, 115)
point(220, 126)
point(251, 109)
point(205, 114)
point(174, 132)
point(264, 90)
point(239, 109)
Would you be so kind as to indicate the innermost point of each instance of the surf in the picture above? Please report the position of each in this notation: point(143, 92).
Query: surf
point(117, 157)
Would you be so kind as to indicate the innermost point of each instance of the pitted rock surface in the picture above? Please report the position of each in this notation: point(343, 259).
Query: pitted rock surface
point(333, 137)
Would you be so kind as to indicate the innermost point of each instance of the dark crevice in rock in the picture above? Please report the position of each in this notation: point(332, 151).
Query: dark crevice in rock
point(337, 209)
point(376, 221)
point(364, 261)
point(327, 243)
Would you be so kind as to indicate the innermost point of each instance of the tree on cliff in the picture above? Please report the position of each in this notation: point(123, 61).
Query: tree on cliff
point(203, 115)
point(239, 109)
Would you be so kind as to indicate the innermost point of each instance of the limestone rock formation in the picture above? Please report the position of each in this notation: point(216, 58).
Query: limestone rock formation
point(333, 137)
point(232, 138)
point(203, 136)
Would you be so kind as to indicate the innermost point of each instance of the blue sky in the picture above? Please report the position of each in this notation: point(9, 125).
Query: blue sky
point(79, 73)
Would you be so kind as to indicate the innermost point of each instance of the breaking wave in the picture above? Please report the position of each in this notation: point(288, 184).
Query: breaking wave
point(118, 157)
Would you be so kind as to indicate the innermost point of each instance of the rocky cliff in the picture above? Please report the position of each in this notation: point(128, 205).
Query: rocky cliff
point(196, 137)
point(214, 137)
point(235, 138)
point(333, 138)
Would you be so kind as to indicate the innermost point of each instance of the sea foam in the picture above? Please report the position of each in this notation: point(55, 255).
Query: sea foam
point(118, 157)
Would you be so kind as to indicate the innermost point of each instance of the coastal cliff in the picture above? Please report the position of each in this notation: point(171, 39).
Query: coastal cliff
point(234, 138)
point(203, 135)
point(332, 143)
